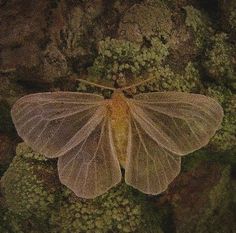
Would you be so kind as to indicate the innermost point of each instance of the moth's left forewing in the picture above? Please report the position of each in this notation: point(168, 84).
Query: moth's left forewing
point(91, 168)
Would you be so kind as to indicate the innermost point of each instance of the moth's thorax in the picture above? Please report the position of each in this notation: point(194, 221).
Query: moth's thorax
point(119, 113)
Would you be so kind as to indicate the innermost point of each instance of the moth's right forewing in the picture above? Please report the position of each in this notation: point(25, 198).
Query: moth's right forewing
point(180, 122)
point(54, 122)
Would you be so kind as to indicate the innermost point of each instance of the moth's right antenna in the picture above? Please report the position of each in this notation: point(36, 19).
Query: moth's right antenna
point(139, 83)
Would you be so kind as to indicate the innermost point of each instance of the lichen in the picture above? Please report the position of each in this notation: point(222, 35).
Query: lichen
point(225, 138)
point(116, 211)
point(219, 61)
point(118, 58)
point(166, 79)
point(24, 188)
point(196, 20)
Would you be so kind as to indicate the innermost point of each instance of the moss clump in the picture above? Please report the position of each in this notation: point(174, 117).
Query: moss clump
point(123, 58)
point(232, 18)
point(219, 61)
point(228, 16)
point(199, 24)
point(27, 153)
point(167, 80)
point(225, 138)
point(116, 210)
point(24, 187)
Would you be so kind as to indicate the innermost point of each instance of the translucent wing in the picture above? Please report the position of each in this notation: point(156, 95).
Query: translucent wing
point(53, 123)
point(179, 122)
point(150, 168)
point(165, 126)
point(75, 128)
point(91, 168)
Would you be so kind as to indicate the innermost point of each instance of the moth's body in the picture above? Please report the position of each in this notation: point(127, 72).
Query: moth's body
point(120, 117)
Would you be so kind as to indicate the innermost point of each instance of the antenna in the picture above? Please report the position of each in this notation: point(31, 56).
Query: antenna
point(96, 85)
point(112, 88)
point(138, 83)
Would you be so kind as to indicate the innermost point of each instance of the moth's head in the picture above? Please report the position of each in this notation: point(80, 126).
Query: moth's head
point(118, 95)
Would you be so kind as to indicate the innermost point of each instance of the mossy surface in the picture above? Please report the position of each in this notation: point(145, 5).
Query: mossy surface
point(116, 210)
point(197, 21)
point(219, 60)
point(118, 43)
point(33, 195)
point(23, 185)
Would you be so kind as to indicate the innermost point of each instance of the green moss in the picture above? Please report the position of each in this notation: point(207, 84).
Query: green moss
point(168, 80)
point(27, 153)
point(225, 138)
point(232, 18)
point(117, 210)
point(219, 61)
point(229, 15)
point(24, 188)
point(123, 58)
point(199, 24)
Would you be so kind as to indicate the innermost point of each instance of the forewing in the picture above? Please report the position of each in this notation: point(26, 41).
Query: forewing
point(53, 123)
point(91, 168)
point(150, 167)
point(179, 122)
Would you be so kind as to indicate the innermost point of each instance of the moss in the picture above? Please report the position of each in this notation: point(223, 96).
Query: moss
point(24, 188)
point(232, 18)
point(225, 138)
point(219, 61)
point(228, 16)
point(168, 80)
point(118, 58)
point(27, 153)
point(196, 20)
point(116, 210)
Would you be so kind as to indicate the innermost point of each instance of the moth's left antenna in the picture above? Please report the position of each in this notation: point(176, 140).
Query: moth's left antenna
point(95, 84)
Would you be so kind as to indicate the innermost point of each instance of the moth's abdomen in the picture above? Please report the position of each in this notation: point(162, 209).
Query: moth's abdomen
point(119, 113)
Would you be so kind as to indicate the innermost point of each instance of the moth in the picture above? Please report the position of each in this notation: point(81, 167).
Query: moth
point(91, 136)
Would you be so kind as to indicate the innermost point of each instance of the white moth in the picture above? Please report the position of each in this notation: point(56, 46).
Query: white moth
point(91, 136)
